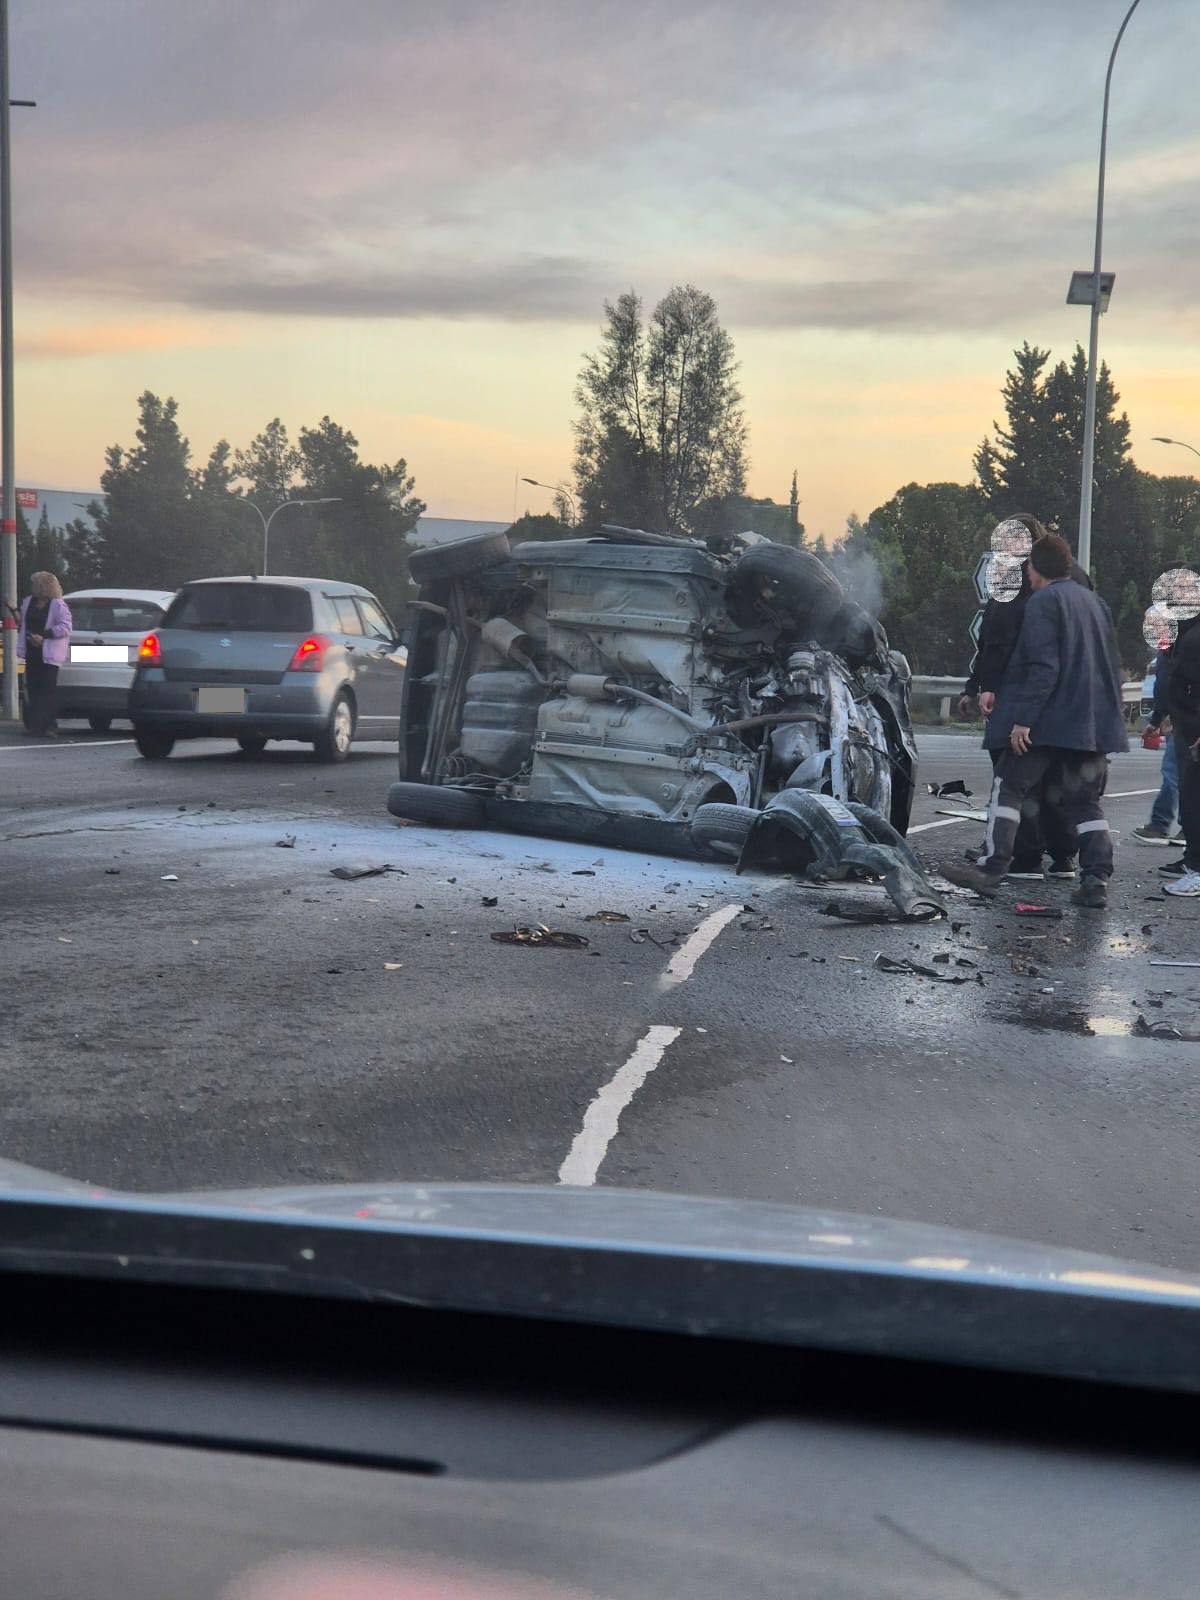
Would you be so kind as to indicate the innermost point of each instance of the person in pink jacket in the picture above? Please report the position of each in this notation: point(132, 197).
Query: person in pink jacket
point(43, 643)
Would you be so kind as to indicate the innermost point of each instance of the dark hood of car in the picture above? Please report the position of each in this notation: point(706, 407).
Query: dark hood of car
point(712, 1268)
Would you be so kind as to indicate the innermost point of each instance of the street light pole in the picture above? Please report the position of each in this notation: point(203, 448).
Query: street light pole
point(557, 488)
point(325, 500)
point(8, 526)
point(1084, 553)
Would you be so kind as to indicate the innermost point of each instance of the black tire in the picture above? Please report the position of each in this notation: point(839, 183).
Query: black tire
point(252, 743)
point(457, 559)
point(722, 829)
point(333, 744)
point(153, 745)
point(100, 724)
point(430, 802)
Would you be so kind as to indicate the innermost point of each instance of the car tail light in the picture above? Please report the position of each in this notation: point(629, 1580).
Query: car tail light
point(149, 651)
point(310, 656)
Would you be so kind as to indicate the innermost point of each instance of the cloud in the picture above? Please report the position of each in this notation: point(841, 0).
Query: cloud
point(112, 338)
point(864, 165)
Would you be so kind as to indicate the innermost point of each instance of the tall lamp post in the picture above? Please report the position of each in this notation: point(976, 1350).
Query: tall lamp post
point(8, 526)
point(1093, 289)
point(325, 500)
point(557, 488)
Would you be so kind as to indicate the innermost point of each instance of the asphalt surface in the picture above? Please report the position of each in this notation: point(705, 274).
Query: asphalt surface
point(188, 1001)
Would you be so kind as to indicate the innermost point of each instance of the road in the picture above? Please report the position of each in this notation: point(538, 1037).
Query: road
point(187, 1001)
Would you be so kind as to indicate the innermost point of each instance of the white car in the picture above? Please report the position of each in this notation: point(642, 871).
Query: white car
point(108, 627)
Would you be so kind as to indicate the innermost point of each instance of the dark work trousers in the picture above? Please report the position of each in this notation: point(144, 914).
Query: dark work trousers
point(1189, 801)
point(41, 692)
point(1074, 781)
point(1040, 831)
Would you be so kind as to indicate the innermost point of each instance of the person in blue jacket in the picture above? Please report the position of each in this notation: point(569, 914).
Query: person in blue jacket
point(1058, 716)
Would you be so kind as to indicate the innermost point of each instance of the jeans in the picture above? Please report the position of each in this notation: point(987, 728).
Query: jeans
point(1074, 782)
point(1166, 803)
point(1189, 801)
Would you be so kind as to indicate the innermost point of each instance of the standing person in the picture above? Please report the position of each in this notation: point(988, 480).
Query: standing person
point(1183, 702)
point(1041, 830)
point(1166, 802)
point(1057, 718)
point(43, 643)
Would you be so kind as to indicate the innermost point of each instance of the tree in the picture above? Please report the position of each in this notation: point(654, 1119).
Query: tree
point(543, 527)
point(145, 523)
point(363, 538)
point(270, 464)
point(1035, 462)
point(660, 438)
point(228, 534)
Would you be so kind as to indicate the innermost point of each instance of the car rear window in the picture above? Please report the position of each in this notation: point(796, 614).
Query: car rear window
point(242, 608)
point(116, 615)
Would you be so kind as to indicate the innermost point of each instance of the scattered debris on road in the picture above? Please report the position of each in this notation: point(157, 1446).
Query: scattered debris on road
point(916, 970)
point(490, 899)
point(1195, 964)
point(169, 877)
point(940, 791)
point(607, 916)
point(859, 914)
point(1145, 1029)
point(542, 937)
point(1025, 908)
point(288, 842)
point(352, 874)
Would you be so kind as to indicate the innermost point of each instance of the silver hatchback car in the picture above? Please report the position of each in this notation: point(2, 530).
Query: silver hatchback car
point(109, 625)
point(254, 659)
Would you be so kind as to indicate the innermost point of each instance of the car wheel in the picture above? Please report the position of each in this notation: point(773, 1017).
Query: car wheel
point(154, 746)
point(334, 743)
point(722, 829)
point(429, 802)
point(457, 559)
point(252, 743)
point(99, 724)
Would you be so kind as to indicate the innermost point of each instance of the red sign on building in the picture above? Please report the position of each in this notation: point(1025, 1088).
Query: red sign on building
point(27, 499)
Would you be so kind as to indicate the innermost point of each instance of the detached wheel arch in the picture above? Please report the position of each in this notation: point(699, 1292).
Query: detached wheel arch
point(438, 804)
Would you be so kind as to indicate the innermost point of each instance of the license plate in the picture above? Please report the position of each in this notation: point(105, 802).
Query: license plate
point(220, 702)
point(92, 654)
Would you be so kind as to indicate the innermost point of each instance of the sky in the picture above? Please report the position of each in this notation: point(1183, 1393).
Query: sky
point(409, 217)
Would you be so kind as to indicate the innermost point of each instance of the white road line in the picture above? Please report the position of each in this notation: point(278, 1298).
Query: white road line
point(946, 822)
point(683, 963)
point(600, 1121)
point(65, 744)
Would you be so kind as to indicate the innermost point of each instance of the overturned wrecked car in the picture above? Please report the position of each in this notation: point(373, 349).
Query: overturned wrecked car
point(644, 690)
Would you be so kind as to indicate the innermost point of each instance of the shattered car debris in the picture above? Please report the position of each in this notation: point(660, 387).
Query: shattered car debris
point(644, 690)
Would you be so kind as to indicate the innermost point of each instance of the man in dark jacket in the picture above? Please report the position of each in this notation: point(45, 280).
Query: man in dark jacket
point(1041, 830)
point(1057, 717)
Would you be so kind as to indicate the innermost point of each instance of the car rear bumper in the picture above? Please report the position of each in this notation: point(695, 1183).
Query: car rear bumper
point(79, 698)
point(274, 711)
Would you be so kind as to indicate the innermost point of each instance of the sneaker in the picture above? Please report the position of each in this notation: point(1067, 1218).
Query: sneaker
point(984, 883)
point(1063, 868)
point(1148, 835)
point(1029, 874)
point(1173, 869)
point(1177, 838)
point(1094, 892)
point(1188, 884)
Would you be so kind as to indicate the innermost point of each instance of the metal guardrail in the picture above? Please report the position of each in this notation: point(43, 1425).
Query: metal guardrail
point(947, 690)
